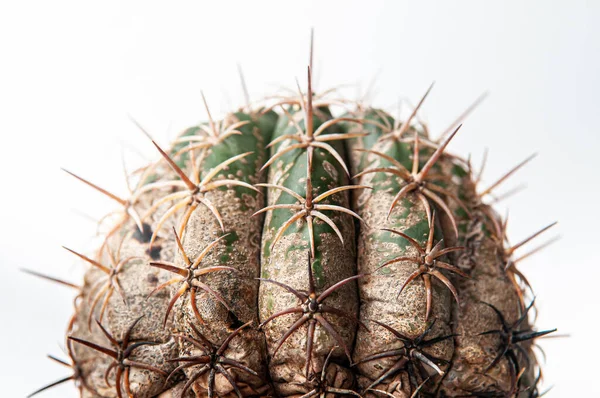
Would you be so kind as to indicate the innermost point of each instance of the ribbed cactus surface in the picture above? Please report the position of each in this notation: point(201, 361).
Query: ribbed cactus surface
point(290, 250)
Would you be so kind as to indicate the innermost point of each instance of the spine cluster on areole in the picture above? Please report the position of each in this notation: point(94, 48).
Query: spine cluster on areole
point(283, 251)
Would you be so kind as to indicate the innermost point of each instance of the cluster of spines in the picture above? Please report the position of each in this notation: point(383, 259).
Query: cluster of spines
point(416, 181)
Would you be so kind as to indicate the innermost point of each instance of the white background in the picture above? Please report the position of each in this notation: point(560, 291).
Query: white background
point(72, 71)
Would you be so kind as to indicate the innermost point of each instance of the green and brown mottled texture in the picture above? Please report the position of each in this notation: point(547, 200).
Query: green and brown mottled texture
point(121, 314)
point(379, 292)
point(483, 260)
point(240, 249)
point(286, 262)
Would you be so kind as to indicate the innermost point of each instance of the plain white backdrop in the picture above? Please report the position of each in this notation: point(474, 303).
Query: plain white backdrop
point(72, 71)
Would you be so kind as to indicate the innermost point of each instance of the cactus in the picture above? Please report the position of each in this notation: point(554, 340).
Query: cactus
point(284, 251)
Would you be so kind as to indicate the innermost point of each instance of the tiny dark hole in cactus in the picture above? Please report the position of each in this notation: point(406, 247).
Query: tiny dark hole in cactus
point(154, 252)
point(145, 235)
point(152, 279)
point(233, 321)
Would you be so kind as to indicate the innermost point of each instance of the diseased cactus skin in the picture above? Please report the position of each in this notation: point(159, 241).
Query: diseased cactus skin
point(239, 250)
point(285, 261)
point(381, 299)
point(248, 264)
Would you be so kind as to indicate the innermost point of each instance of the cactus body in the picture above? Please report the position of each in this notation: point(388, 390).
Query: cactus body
point(248, 262)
